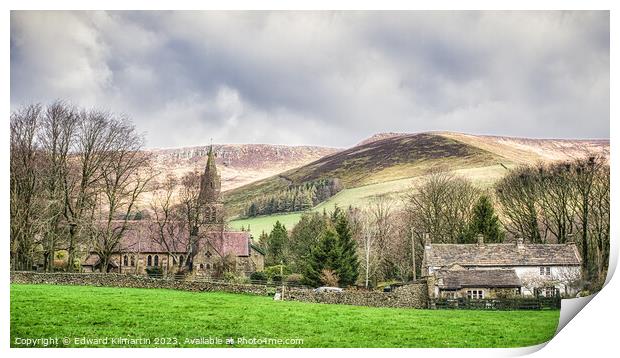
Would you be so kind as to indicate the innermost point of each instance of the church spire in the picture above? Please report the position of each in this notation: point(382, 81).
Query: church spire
point(210, 184)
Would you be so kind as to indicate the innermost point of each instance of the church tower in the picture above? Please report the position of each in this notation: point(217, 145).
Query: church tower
point(209, 196)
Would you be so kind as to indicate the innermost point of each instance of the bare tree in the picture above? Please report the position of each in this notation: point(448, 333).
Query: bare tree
point(557, 197)
point(519, 195)
point(56, 134)
point(168, 229)
point(25, 205)
point(124, 176)
point(191, 212)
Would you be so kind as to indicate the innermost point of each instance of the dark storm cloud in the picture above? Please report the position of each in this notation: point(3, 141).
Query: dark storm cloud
point(327, 78)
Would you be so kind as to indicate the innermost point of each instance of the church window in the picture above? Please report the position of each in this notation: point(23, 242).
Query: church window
point(202, 266)
point(133, 261)
point(149, 260)
point(125, 261)
point(208, 254)
point(208, 266)
point(181, 259)
point(156, 261)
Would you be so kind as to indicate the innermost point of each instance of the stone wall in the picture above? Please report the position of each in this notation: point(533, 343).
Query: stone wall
point(412, 296)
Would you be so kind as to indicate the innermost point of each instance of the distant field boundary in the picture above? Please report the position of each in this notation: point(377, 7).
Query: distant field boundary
point(408, 296)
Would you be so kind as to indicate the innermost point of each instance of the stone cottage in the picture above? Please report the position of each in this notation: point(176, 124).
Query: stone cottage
point(483, 270)
point(212, 245)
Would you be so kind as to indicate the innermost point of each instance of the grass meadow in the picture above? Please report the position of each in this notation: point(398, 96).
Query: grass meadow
point(189, 319)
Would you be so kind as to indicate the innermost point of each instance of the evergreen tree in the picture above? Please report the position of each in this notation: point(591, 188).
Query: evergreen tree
point(484, 221)
point(263, 240)
point(324, 255)
point(348, 269)
point(303, 237)
point(276, 243)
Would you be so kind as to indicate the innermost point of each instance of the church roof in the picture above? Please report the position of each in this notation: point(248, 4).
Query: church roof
point(141, 237)
point(441, 255)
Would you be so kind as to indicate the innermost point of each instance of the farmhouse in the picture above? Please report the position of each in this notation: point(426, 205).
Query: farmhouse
point(213, 246)
point(483, 270)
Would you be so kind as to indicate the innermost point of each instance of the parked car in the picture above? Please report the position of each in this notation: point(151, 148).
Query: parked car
point(328, 289)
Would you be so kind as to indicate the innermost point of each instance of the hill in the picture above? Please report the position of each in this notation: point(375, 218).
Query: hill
point(239, 164)
point(389, 164)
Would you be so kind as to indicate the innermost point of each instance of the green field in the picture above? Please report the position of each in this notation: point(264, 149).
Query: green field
point(483, 177)
point(44, 311)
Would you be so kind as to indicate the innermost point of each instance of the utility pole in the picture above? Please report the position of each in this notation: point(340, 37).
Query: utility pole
point(413, 254)
point(282, 277)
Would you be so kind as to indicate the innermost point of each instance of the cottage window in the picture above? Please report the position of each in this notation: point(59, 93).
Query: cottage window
point(475, 294)
point(125, 261)
point(542, 270)
point(547, 271)
point(181, 259)
point(149, 260)
point(156, 260)
point(133, 261)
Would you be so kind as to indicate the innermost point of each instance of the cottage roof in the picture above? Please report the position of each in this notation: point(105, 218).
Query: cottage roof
point(454, 280)
point(441, 255)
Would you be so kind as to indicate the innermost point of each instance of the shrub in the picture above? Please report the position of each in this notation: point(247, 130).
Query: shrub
point(276, 278)
point(294, 278)
point(329, 278)
point(154, 271)
point(271, 271)
point(258, 276)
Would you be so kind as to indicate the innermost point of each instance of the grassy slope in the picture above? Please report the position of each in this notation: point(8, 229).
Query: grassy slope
point(77, 311)
point(483, 177)
point(385, 160)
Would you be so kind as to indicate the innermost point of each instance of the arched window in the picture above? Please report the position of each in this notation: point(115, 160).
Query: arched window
point(156, 260)
point(201, 266)
point(133, 261)
point(125, 261)
point(149, 260)
point(208, 267)
point(212, 215)
point(181, 259)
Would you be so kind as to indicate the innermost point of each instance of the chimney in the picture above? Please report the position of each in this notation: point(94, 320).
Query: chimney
point(427, 240)
point(480, 238)
point(519, 241)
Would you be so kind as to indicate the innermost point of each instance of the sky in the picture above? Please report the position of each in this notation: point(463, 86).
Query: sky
point(320, 78)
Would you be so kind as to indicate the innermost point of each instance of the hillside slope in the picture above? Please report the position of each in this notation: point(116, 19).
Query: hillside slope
point(373, 162)
point(391, 163)
point(238, 164)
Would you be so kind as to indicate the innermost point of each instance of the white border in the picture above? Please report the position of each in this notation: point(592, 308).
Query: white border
point(592, 331)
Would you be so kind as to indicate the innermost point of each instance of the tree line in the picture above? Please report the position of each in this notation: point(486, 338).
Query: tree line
point(73, 173)
point(545, 203)
point(295, 198)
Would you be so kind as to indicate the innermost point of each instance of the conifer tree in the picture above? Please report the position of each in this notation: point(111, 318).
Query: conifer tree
point(484, 221)
point(348, 269)
point(276, 243)
point(324, 255)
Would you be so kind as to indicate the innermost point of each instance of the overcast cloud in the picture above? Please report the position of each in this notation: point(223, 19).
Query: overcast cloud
point(328, 78)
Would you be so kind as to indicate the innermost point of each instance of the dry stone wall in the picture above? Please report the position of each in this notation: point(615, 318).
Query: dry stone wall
point(411, 296)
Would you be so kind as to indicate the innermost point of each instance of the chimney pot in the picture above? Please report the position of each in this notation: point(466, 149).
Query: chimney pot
point(519, 241)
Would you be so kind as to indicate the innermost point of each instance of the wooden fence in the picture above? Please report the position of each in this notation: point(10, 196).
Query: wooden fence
point(524, 303)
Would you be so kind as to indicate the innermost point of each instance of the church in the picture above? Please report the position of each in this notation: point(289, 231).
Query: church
point(140, 253)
